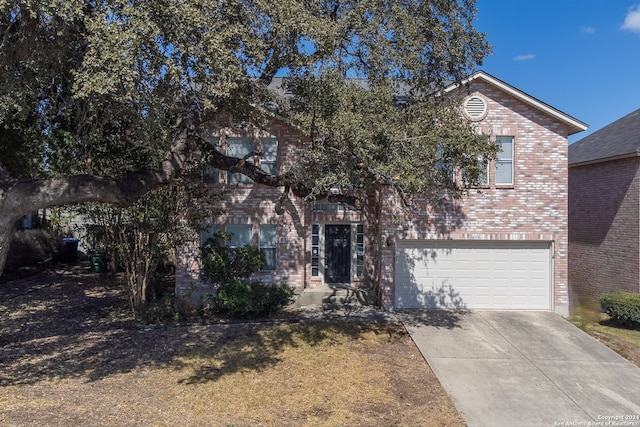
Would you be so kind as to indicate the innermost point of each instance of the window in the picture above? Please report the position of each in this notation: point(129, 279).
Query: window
point(504, 161)
point(207, 233)
point(239, 147)
point(360, 250)
point(211, 175)
point(268, 162)
point(315, 250)
point(267, 244)
point(241, 235)
point(445, 172)
point(483, 174)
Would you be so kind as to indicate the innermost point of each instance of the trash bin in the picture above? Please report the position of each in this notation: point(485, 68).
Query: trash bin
point(70, 253)
point(98, 263)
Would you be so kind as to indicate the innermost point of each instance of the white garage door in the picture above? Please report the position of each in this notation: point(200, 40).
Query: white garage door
point(473, 275)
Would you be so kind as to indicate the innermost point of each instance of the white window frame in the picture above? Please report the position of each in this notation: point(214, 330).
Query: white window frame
point(239, 147)
point(237, 231)
point(359, 250)
point(268, 246)
point(269, 160)
point(316, 255)
point(505, 160)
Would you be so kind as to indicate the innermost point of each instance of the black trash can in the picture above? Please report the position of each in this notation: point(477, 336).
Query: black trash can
point(70, 253)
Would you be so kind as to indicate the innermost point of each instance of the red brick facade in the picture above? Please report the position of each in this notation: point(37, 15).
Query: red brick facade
point(534, 208)
point(604, 228)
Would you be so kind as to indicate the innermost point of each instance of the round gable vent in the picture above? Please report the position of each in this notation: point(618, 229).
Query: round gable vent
point(475, 108)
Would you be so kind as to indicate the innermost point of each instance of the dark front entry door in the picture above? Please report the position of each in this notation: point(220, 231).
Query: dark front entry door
point(337, 249)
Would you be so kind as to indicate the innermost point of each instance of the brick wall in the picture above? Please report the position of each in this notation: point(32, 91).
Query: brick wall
point(533, 209)
point(603, 229)
point(254, 205)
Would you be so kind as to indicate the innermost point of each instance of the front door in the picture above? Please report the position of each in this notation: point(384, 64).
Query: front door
point(337, 249)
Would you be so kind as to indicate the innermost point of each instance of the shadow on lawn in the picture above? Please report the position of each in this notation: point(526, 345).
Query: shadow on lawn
point(78, 326)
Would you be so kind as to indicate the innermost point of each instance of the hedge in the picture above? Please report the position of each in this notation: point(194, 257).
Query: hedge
point(623, 307)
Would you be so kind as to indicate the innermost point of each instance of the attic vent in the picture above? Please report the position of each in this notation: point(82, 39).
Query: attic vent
point(475, 108)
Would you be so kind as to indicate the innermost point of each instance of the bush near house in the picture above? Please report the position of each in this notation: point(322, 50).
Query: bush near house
point(623, 307)
point(230, 269)
point(243, 298)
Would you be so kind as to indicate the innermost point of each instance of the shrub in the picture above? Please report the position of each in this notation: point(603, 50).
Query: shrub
point(623, 307)
point(221, 264)
point(243, 298)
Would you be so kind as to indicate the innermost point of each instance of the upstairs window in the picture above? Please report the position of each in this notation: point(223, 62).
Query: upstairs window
point(239, 147)
point(211, 175)
point(445, 171)
point(504, 160)
point(268, 162)
point(483, 174)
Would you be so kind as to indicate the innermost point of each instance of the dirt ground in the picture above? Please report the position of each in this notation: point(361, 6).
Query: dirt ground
point(71, 353)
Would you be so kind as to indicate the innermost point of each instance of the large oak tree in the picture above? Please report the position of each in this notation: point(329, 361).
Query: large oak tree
point(87, 84)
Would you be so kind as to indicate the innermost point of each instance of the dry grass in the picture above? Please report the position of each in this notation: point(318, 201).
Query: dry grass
point(69, 356)
point(624, 341)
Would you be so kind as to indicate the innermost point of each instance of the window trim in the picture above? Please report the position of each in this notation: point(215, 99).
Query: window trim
point(505, 160)
point(272, 163)
point(274, 248)
point(235, 178)
point(239, 226)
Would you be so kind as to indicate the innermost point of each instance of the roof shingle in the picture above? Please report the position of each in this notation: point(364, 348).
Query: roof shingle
point(618, 139)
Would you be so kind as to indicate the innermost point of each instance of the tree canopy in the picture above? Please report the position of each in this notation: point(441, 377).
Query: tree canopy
point(85, 82)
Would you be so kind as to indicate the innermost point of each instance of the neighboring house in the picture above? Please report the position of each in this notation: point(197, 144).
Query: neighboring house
point(503, 246)
point(604, 217)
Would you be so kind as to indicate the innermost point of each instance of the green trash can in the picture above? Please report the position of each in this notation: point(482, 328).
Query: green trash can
point(97, 261)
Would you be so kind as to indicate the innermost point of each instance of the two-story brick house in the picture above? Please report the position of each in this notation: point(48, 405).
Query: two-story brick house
point(604, 211)
point(503, 246)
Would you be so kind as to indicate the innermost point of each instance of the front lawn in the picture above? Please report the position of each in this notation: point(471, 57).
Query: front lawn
point(71, 355)
point(623, 340)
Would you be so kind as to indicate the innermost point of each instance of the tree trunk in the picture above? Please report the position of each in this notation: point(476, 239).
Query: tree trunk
point(19, 197)
point(7, 230)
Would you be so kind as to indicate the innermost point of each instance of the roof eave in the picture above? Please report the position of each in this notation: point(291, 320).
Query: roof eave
point(605, 159)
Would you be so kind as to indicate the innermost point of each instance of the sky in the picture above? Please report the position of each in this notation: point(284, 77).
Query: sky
point(582, 57)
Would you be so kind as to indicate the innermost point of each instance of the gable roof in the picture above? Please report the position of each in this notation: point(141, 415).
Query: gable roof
point(574, 124)
point(617, 140)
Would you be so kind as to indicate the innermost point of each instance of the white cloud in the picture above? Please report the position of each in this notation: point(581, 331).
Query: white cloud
point(524, 57)
point(587, 30)
point(632, 20)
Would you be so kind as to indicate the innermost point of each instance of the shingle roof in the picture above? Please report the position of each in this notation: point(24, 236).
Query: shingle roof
point(618, 139)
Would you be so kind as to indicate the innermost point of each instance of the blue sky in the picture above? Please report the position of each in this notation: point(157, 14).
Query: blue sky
point(579, 56)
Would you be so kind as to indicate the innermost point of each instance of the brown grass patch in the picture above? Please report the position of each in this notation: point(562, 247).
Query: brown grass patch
point(69, 356)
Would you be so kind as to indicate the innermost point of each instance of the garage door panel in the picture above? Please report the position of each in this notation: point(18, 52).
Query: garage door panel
point(473, 275)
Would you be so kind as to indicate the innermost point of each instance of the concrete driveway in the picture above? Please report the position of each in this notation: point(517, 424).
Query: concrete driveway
point(525, 369)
